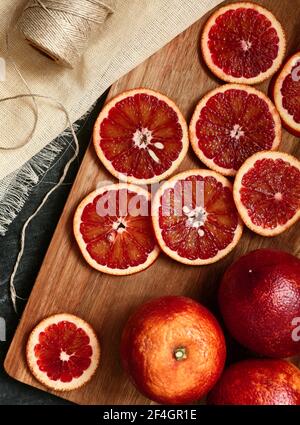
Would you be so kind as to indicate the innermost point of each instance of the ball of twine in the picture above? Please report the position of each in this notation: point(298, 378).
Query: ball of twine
point(61, 28)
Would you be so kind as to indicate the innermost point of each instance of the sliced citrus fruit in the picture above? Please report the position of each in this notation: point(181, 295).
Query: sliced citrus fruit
point(113, 228)
point(267, 192)
point(286, 94)
point(243, 43)
point(63, 352)
point(230, 124)
point(194, 217)
point(141, 136)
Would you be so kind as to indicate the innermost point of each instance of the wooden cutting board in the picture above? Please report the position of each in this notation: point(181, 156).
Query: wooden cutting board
point(67, 284)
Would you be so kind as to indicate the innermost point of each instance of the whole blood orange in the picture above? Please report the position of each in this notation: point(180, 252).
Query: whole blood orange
point(267, 192)
point(141, 136)
point(173, 349)
point(63, 352)
point(259, 298)
point(258, 382)
point(113, 228)
point(194, 217)
point(230, 124)
point(286, 94)
point(243, 43)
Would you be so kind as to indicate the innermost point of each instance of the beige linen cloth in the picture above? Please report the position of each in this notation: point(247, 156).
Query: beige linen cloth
point(136, 30)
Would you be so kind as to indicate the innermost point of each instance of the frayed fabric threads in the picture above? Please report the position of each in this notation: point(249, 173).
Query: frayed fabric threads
point(16, 188)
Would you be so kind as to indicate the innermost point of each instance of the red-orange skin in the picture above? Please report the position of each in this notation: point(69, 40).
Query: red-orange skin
point(152, 334)
point(259, 297)
point(258, 382)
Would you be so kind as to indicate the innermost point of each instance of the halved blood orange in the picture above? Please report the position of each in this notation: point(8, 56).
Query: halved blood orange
point(141, 136)
point(113, 228)
point(243, 43)
point(194, 217)
point(63, 352)
point(267, 192)
point(230, 124)
point(286, 94)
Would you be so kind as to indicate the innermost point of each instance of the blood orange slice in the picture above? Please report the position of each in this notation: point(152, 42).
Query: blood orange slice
point(141, 136)
point(194, 217)
point(63, 352)
point(267, 192)
point(113, 229)
point(230, 124)
point(286, 94)
point(243, 43)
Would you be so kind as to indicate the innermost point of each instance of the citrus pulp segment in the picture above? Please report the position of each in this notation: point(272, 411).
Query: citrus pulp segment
point(113, 228)
point(194, 217)
point(141, 136)
point(243, 43)
point(231, 123)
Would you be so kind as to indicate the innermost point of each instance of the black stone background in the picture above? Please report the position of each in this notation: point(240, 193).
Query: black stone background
point(39, 235)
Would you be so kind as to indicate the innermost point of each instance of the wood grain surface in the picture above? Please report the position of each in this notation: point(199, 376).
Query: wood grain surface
point(67, 284)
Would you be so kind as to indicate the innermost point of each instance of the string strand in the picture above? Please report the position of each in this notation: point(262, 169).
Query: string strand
point(13, 292)
point(33, 96)
point(61, 30)
point(36, 111)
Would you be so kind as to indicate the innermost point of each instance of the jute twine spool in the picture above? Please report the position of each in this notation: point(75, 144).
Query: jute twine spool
point(61, 28)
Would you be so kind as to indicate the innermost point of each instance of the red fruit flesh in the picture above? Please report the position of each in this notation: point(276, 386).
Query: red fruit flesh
point(173, 349)
point(63, 337)
point(259, 298)
point(127, 245)
point(155, 127)
point(233, 126)
point(271, 192)
point(290, 92)
point(285, 90)
point(208, 226)
point(258, 382)
point(243, 43)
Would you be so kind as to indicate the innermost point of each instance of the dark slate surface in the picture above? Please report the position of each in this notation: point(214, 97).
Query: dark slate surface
point(38, 238)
